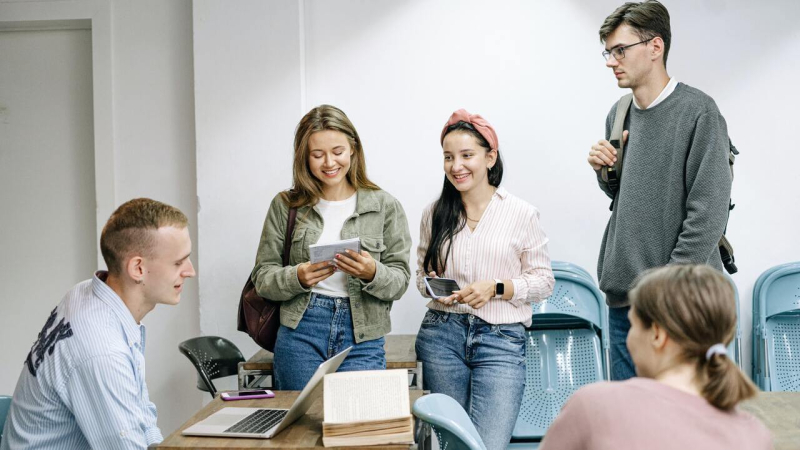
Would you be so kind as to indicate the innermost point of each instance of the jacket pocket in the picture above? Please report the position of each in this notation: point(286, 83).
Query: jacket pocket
point(299, 251)
point(374, 246)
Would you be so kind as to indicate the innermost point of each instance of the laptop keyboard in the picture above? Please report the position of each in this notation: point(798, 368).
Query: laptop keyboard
point(258, 422)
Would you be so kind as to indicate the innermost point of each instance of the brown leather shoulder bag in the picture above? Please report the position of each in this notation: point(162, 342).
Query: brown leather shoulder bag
point(258, 316)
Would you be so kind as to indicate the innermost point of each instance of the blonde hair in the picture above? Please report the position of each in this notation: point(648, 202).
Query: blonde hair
point(307, 189)
point(695, 304)
point(130, 229)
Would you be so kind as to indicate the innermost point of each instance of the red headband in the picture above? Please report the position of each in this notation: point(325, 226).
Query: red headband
point(479, 123)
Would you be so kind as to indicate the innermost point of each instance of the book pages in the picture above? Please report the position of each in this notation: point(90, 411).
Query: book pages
point(366, 396)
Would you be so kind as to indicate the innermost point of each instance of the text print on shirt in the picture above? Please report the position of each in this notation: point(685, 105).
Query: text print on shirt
point(46, 342)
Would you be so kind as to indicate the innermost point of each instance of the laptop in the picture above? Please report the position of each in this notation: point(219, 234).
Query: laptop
point(265, 423)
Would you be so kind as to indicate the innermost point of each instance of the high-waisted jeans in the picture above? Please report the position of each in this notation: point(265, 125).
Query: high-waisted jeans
point(480, 365)
point(325, 330)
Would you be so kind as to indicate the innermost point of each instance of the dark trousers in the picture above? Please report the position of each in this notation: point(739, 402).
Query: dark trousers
point(622, 366)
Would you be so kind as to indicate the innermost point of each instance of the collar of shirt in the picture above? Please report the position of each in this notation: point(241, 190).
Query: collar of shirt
point(662, 96)
point(501, 192)
point(134, 333)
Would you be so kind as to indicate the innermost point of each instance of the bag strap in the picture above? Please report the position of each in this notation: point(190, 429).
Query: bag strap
point(611, 174)
point(287, 241)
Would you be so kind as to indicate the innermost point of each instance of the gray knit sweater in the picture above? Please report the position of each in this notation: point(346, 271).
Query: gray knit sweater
point(672, 205)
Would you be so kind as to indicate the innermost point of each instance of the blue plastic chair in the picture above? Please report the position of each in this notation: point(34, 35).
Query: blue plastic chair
point(777, 335)
point(757, 363)
point(735, 347)
point(566, 348)
point(564, 266)
point(5, 405)
point(449, 421)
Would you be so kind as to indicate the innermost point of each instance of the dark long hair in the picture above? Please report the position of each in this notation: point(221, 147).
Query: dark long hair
point(449, 215)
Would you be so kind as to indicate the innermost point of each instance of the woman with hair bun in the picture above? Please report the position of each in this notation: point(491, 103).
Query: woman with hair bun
point(682, 319)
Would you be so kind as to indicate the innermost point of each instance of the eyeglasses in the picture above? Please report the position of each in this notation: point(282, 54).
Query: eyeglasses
point(619, 52)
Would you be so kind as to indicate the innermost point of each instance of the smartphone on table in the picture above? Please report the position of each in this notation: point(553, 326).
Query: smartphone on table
point(441, 287)
point(244, 395)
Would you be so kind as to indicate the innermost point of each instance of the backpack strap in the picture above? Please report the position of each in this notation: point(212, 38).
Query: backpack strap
point(725, 247)
point(611, 175)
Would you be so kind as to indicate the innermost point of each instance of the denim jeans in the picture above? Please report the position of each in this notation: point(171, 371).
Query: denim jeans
point(325, 330)
point(622, 366)
point(480, 365)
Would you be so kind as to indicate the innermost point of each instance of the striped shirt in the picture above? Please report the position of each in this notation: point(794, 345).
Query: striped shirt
point(83, 385)
point(507, 244)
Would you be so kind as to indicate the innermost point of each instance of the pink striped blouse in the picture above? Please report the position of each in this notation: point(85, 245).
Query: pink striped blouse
point(507, 244)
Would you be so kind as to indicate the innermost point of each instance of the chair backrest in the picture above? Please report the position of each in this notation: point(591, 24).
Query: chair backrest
point(450, 423)
point(565, 266)
point(566, 348)
point(5, 405)
point(758, 342)
point(558, 363)
point(776, 361)
point(213, 357)
point(735, 347)
point(573, 296)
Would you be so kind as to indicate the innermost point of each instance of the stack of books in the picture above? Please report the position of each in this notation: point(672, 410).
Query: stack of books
point(367, 408)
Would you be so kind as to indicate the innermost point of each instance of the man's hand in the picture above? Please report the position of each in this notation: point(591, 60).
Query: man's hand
point(310, 274)
point(603, 153)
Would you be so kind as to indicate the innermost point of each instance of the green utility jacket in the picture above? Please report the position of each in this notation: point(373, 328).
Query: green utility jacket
point(381, 224)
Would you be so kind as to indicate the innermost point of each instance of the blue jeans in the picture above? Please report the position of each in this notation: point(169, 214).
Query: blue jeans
point(622, 366)
point(325, 330)
point(480, 365)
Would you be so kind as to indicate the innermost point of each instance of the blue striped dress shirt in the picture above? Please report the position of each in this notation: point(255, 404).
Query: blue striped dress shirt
point(82, 384)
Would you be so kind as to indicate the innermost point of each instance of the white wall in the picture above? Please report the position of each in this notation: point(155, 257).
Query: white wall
point(247, 90)
point(249, 69)
point(534, 69)
point(155, 157)
point(46, 181)
point(144, 146)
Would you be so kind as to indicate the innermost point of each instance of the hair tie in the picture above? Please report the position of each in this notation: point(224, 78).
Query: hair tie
point(480, 124)
point(716, 349)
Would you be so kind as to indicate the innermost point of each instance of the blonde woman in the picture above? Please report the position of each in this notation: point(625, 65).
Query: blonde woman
point(331, 306)
point(682, 319)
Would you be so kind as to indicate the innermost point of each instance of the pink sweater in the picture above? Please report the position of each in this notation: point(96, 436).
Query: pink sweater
point(644, 414)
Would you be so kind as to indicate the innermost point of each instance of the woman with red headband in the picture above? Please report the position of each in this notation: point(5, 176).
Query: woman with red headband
point(472, 343)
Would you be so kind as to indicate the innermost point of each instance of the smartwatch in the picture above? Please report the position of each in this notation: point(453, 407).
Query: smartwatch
point(499, 287)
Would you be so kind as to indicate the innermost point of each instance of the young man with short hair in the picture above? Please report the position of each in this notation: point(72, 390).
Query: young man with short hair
point(83, 383)
point(672, 203)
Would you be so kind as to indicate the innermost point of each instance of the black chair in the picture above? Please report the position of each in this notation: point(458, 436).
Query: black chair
point(213, 357)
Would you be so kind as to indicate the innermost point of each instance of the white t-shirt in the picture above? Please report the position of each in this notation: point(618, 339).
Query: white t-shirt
point(334, 214)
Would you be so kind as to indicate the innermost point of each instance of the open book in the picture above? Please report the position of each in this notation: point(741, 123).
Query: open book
point(367, 408)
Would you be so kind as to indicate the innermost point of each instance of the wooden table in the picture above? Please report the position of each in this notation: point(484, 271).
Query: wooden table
point(780, 412)
point(400, 354)
point(305, 433)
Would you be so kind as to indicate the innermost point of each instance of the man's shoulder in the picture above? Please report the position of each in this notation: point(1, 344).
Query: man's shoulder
point(694, 98)
point(79, 328)
point(95, 327)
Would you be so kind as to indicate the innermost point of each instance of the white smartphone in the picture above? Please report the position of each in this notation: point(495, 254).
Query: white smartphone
point(441, 287)
point(246, 395)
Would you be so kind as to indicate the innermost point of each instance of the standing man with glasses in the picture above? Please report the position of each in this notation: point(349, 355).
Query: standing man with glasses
point(671, 205)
